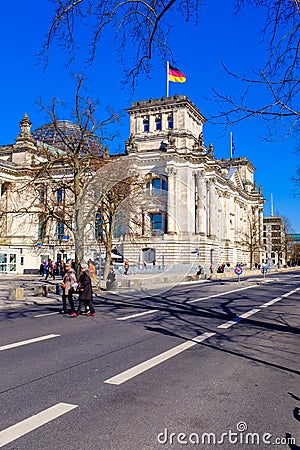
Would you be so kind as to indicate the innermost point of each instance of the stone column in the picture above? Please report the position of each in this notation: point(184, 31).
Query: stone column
point(226, 216)
point(201, 202)
point(212, 208)
point(171, 171)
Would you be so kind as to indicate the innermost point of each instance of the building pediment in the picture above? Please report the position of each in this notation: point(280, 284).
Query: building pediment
point(234, 176)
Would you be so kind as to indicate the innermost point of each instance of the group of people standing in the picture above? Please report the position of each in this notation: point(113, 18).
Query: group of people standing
point(83, 288)
point(53, 269)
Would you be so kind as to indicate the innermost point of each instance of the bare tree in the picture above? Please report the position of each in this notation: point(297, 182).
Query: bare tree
point(68, 155)
point(137, 25)
point(251, 236)
point(144, 25)
point(116, 204)
point(278, 80)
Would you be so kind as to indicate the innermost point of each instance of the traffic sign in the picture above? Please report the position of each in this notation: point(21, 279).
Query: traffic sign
point(238, 271)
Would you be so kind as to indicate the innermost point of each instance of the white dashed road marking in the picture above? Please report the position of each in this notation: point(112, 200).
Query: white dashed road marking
point(29, 341)
point(132, 316)
point(15, 431)
point(47, 314)
point(146, 365)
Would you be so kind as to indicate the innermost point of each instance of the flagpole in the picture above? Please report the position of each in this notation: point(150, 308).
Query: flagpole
point(167, 78)
point(230, 144)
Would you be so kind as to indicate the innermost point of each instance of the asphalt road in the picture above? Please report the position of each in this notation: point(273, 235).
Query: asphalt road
point(207, 366)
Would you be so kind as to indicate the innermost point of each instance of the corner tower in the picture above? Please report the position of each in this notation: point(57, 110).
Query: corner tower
point(169, 124)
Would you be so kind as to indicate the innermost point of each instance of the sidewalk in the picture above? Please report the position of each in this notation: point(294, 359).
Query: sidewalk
point(29, 283)
point(34, 284)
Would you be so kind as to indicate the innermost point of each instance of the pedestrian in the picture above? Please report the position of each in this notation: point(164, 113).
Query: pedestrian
point(92, 270)
point(45, 268)
point(61, 269)
point(41, 271)
point(211, 268)
point(111, 278)
point(199, 272)
point(67, 285)
point(56, 268)
point(50, 270)
point(85, 291)
point(126, 267)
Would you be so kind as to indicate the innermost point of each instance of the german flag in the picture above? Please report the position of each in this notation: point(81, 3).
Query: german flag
point(176, 75)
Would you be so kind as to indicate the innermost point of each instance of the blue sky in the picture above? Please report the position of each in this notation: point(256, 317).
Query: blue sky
point(199, 52)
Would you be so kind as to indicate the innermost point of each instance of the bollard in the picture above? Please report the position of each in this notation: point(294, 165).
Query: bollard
point(59, 289)
point(16, 294)
point(45, 290)
point(38, 291)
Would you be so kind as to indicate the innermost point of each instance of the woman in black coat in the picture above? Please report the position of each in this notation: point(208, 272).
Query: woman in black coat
point(85, 291)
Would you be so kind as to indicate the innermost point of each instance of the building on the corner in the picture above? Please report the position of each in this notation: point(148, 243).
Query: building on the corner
point(199, 209)
point(275, 241)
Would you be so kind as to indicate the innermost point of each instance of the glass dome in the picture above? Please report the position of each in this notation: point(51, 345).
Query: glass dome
point(67, 133)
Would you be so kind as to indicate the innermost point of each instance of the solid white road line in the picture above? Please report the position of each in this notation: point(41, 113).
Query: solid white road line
point(146, 365)
point(138, 314)
point(29, 341)
point(36, 421)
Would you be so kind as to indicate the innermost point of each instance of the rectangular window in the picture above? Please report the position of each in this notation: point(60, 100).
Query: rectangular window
point(146, 124)
point(158, 224)
point(158, 123)
point(41, 195)
point(60, 228)
point(59, 195)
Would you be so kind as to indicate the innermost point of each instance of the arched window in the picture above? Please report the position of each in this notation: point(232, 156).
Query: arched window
point(170, 122)
point(158, 122)
point(146, 124)
point(157, 186)
point(148, 255)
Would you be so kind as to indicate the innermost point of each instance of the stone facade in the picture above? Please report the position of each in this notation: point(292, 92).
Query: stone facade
point(208, 206)
point(23, 245)
point(199, 209)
